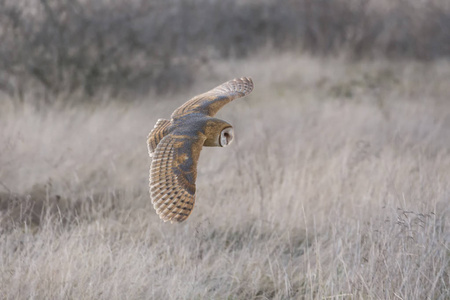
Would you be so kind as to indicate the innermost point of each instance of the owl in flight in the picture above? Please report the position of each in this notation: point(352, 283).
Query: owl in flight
point(175, 146)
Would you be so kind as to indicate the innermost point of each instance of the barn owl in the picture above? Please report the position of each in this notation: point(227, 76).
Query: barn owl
point(175, 146)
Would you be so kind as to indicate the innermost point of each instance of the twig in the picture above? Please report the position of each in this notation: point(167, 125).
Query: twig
point(6, 188)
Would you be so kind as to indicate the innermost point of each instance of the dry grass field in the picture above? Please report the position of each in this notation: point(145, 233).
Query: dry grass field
point(336, 187)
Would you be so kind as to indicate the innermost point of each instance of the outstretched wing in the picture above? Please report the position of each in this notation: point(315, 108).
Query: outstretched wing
point(172, 176)
point(210, 102)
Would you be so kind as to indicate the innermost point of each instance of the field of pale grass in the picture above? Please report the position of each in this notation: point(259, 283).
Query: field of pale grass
point(337, 186)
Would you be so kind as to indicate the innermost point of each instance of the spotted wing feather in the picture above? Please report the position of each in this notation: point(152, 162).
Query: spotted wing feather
point(157, 134)
point(210, 102)
point(172, 177)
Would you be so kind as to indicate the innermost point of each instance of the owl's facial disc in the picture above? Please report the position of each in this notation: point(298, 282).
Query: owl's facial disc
point(226, 136)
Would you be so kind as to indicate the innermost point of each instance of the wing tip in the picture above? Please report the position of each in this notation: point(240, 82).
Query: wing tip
point(244, 85)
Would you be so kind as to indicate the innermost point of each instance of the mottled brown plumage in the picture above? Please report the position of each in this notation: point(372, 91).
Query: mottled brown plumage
point(175, 147)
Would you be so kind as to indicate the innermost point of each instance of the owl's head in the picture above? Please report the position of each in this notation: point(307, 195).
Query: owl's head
point(226, 136)
point(218, 133)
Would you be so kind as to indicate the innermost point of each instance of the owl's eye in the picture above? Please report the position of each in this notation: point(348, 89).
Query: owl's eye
point(226, 136)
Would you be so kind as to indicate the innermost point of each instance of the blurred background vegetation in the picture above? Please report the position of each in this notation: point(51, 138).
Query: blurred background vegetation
point(57, 48)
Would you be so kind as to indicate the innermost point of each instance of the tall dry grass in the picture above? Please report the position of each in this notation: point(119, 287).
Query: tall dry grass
point(337, 187)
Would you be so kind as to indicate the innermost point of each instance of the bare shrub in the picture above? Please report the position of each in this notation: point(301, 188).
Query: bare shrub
point(135, 46)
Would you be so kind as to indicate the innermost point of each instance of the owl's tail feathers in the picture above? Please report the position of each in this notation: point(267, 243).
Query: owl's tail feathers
point(158, 132)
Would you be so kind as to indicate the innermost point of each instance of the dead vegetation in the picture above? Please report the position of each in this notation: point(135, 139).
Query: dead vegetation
point(56, 48)
point(337, 187)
